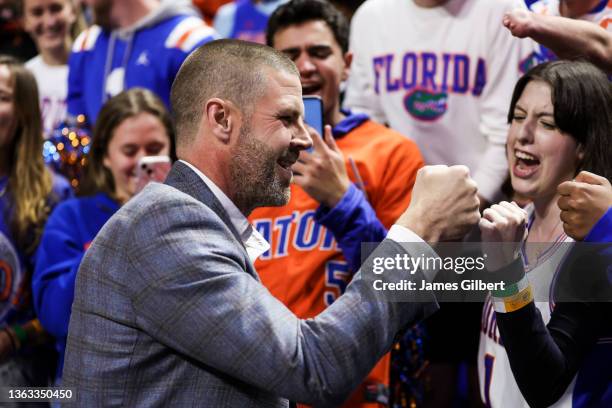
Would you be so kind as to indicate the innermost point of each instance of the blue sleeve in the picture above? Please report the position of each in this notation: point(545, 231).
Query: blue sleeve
point(352, 221)
point(57, 260)
point(602, 231)
point(75, 98)
point(61, 188)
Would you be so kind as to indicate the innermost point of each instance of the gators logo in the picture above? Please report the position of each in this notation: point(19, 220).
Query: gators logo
point(11, 279)
point(426, 105)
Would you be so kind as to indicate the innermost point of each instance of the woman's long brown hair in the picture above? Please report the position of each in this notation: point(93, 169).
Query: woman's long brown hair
point(29, 182)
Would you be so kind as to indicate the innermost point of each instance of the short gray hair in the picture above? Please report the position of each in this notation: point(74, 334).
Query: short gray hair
point(227, 69)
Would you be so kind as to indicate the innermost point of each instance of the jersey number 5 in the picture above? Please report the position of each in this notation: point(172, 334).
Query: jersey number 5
point(336, 278)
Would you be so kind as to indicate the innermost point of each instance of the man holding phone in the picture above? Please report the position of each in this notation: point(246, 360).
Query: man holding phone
point(348, 189)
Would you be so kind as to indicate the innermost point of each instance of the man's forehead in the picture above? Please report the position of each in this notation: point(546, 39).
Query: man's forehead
point(284, 87)
point(290, 99)
point(283, 79)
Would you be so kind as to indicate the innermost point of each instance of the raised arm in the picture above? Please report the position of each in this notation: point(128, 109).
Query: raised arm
point(207, 301)
point(567, 38)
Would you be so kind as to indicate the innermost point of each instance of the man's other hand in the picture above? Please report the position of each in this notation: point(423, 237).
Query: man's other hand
point(322, 172)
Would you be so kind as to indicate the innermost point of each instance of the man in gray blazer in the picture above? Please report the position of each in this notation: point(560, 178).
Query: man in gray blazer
point(168, 308)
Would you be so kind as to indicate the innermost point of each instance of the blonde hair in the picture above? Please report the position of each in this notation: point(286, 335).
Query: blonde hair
point(29, 183)
point(79, 24)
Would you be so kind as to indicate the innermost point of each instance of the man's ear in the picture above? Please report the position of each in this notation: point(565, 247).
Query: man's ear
point(221, 118)
point(348, 60)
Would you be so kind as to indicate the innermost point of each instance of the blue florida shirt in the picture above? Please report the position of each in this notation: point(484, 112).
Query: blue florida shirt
point(148, 55)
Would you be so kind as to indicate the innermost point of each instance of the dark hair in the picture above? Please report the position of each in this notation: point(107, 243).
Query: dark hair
point(97, 177)
point(228, 69)
point(582, 101)
point(302, 11)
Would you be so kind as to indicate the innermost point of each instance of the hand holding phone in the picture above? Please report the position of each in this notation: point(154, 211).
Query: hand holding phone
point(151, 168)
point(322, 173)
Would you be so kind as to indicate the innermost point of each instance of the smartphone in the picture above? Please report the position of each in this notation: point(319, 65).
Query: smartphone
point(151, 168)
point(313, 112)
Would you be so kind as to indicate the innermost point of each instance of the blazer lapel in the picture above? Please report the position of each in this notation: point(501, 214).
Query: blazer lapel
point(186, 180)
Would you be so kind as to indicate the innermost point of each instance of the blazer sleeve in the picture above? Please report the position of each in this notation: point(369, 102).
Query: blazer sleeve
point(194, 294)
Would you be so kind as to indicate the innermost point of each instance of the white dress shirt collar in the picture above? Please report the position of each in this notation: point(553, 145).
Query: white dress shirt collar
point(253, 241)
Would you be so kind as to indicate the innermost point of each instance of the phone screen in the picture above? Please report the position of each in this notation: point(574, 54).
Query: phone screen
point(313, 113)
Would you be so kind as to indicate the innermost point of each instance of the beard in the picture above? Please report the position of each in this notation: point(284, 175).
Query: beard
point(254, 174)
point(102, 14)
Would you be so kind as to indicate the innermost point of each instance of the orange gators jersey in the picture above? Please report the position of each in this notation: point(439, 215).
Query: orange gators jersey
point(304, 267)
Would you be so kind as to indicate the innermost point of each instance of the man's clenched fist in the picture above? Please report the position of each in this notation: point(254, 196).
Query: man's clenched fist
point(444, 204)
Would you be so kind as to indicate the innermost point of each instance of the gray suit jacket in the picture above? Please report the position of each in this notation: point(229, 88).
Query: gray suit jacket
point(169, 311)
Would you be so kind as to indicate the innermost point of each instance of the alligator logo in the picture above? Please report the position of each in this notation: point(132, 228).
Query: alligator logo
point(426, 105)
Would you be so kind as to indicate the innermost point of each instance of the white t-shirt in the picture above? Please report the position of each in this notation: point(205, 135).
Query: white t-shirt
point(441, 76)
point(52, 83)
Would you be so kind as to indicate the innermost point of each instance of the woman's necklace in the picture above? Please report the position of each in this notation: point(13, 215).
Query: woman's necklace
point(552, 235)
point(544, 244)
